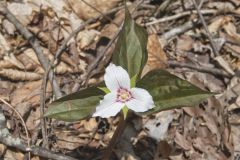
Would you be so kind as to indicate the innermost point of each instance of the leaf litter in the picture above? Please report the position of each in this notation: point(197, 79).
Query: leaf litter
point(207, 131)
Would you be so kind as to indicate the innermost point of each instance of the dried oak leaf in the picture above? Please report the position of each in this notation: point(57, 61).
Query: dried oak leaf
point(84, 10)
point(29, 92)
point(17, 75)
point(156, 56)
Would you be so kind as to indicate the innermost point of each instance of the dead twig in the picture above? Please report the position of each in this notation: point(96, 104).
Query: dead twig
point(162, 7)
point(42, 109)
point(213, 71)
point(179, 30)
point(180, 15)
point(218, 58)
point(215, 51)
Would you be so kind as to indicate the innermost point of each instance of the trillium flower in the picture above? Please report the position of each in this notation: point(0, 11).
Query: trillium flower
point(121, 94)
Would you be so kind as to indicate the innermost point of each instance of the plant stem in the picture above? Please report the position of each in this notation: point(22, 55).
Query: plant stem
point(118, 132)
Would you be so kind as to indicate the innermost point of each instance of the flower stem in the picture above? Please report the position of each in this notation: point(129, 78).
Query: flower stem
point(118, 132)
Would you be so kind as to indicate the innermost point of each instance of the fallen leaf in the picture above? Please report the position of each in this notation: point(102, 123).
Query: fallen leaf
point(29, 92)
point(157, 58)
point(84, 10)
point(18, 75)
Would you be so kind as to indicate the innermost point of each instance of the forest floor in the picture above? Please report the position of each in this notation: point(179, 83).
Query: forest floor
point(196, 40)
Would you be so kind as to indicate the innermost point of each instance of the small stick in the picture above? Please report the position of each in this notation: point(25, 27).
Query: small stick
point(179, 30)
point(199, 68)
point(42, 107)
point(215, 51)
point(162, 7)
point(180, 15)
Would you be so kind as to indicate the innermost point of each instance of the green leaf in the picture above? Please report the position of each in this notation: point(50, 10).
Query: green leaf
point(104, 89)
point(169, 91)
point(75, 106)
point(125, 111)
point(133, 81)
point(131, 47)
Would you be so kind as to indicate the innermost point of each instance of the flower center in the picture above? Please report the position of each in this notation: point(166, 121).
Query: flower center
point(123, 95)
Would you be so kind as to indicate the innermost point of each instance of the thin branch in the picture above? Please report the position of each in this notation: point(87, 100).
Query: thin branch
point(206, 28)
point(179, 30)
point(34, 43)
point(162, 7)
point(180, 15)
point(199, 68)
point(42, 109)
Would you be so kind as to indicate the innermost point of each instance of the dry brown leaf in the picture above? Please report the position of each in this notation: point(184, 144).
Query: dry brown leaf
point(62, 68)
point(111, 29)
point(69, 140)
point(163, 150)
point(29, 92)
point(44, 37)
point(29, 63)
point(13, 155)
point(222, 6)
point(85, 12)
point(218, 23)
point(17, 75)
point(75, 22)
point(236, 2)
point(89, 125)
point(4, 45)
point(184, 43)
point(182, 142)
point(6, 64)
point(86, 37)
point(225, 64)
point(208, 150)
point(33, 120)
point(9, 27)
point(156, 56)
point(157, 128)
point(231, 31)
point(22, 11)
point(234, 49)
point(31, 54)
point(12, 59)
point(5, 89)
point(2, 149)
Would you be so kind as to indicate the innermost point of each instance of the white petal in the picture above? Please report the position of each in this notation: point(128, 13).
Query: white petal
point(116, 77)
point(108, 106)
point(142, 100)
